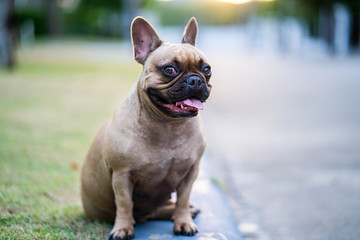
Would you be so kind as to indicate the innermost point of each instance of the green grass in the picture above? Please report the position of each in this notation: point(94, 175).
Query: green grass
point(50, 109)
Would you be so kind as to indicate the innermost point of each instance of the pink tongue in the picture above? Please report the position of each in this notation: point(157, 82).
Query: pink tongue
point(193, 102)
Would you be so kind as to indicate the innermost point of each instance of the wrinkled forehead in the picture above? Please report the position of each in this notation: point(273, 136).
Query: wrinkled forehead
point(182, 53)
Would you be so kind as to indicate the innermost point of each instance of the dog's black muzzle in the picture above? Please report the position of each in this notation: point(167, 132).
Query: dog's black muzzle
point(190, 86)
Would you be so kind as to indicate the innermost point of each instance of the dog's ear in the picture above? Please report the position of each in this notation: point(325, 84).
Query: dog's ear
point(190, 32)
point(144, 39)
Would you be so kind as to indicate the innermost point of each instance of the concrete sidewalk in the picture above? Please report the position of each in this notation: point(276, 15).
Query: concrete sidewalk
point(285, 134)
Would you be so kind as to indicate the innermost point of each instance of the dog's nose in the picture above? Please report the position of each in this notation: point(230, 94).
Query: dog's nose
point(194, 81)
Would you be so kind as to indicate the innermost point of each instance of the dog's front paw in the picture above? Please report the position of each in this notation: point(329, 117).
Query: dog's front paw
point(185, 227)
point(121, 233)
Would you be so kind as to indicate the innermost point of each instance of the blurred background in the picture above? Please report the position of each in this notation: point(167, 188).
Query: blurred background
point(282, 123)
point(296, 26)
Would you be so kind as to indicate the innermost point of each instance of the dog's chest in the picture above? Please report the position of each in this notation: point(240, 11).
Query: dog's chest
point(166, 170)
point(168, 159)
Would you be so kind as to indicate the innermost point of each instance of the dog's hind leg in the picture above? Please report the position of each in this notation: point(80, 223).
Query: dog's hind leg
point(166, 212)
point(94, 213)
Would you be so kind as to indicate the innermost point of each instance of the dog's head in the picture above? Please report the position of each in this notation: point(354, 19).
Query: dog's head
point(175, 77)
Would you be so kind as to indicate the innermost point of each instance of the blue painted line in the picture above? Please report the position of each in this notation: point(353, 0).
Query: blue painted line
point(214, 222)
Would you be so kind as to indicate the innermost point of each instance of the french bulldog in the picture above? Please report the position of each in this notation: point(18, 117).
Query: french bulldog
point(152, 145)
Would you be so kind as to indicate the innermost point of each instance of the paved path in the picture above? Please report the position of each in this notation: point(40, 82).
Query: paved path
point(285, 133)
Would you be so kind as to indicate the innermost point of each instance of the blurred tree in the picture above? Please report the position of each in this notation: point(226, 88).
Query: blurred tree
point(79, 17)
point(354, 7)
point(128, 9)
point(54, 17)
point(35, 13)
point(319, 16)
point(104, 17)
point(7, 33)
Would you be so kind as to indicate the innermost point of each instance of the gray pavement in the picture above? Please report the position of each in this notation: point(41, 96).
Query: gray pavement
point(284, 134)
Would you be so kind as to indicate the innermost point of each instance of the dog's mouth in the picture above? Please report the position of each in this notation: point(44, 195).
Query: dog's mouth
point(190, 104)
point(188, 107)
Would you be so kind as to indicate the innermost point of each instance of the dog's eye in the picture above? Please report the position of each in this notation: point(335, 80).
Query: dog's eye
point(170, 70)
point(207, 71)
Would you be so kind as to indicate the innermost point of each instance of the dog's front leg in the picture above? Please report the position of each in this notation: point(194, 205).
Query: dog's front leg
point(124, 222)
point(183, 222)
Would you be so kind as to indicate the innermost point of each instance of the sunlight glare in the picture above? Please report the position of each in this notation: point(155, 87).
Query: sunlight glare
point(243, 1)
point(235, 1)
